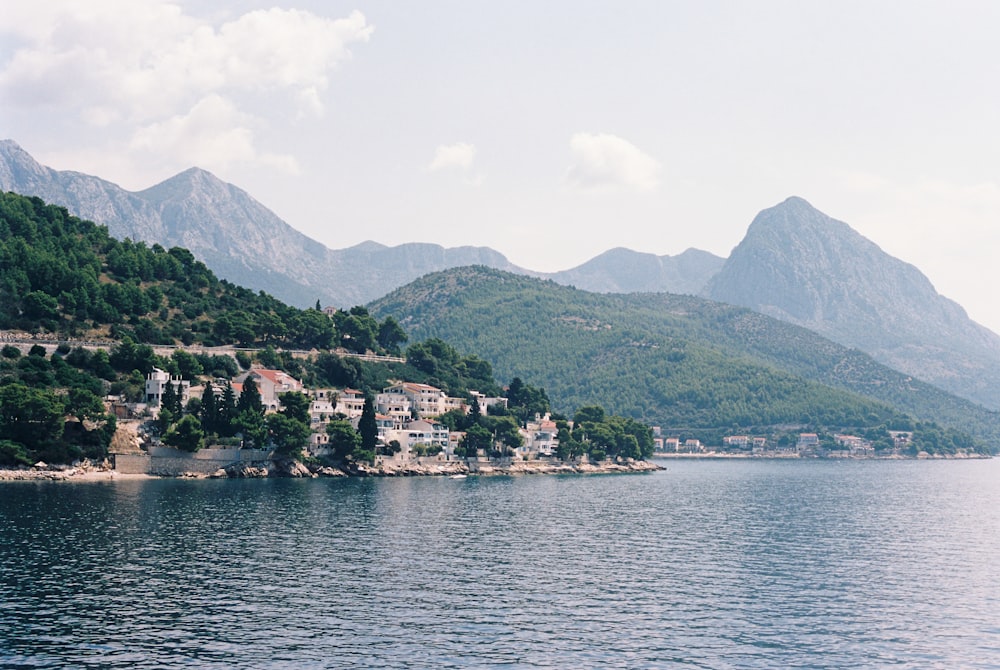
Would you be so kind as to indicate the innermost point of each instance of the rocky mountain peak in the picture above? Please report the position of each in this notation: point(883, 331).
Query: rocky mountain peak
point(802, 266)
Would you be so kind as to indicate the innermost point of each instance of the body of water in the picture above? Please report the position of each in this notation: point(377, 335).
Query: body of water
point(709, 564)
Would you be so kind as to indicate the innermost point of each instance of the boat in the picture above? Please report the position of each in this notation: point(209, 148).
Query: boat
point(458, 477)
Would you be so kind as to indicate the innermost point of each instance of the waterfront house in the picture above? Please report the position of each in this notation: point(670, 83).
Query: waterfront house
point(271, 384)
point(157, 380)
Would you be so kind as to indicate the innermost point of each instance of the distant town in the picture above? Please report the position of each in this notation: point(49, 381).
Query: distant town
point(807, 445)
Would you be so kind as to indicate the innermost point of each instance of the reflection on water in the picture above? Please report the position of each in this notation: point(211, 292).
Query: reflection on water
point(709, 564)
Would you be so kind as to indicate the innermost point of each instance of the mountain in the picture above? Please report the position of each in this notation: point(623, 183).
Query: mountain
point(626, 271)
point(801, 266)
point(246, 243)
point(675, 361)
point(795, 264)
point(240, 239)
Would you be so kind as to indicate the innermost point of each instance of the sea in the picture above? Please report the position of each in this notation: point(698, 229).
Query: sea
point(705, 564)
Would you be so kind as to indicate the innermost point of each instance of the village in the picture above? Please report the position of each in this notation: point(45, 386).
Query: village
point(406, 417)
point(807, 445)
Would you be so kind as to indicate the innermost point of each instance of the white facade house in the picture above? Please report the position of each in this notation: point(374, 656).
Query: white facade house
point(419, 432)
point(271, 384)
point(425, 399)
point(485, 402)
point(157, 380)
point(541, 437)
point(351, 403)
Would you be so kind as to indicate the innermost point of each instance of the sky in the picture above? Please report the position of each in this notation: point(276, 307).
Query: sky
point(550, 131)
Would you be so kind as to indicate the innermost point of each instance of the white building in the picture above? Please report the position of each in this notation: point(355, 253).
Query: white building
point(540, 437)
point(157, 380)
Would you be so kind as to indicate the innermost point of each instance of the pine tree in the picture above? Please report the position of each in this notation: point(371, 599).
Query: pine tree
point(368, 426)
point(169, 399)
point(226, 412)
point(249, 398)
point(209, 410)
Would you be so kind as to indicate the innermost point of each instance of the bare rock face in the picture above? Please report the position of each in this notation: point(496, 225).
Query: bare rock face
point(234, 235)
point(801, 266)
point(287, 467)
point(626, 271)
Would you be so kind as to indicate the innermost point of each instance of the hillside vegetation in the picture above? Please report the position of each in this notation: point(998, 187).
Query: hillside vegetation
point(690, 365)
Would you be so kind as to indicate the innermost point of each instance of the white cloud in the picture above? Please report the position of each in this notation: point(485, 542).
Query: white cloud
point(459, 155)
point(605, 162)
point(146, 64)
point(213, 135)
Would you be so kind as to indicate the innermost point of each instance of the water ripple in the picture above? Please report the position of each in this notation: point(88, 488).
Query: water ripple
point(707, 565)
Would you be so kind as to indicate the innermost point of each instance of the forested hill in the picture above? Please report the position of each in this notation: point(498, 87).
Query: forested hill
point(671, 360)
point(67, 277)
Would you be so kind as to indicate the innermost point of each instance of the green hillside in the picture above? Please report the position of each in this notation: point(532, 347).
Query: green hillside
point(67, 278)
point(687, 364)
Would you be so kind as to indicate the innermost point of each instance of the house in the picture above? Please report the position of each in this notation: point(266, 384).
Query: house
point(807, 442)
point(692, 446)
point(271, 384)
point(485, 402)
point(736, 441)
point(351, 403)
point(856, 446)
point(901, 438)
point(427, 433)
point(321, 411)
point(427, 400)
point(395, 405)
point(157, 380)
point(672, 444)
point(541, 437)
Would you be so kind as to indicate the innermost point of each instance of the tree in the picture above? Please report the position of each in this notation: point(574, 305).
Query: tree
point(188, 367)
point(368, 426)
point(209, 413)
point(391, 335)
point(226, 414)
point(287, 434)
point(476, 437)
point(84, 405)
point(187, 434)
point(170, 399)
point(12, 453)
point(29, 416)
point(295, 405)
point(344, 440)
point(254, 428)
point(249, 400)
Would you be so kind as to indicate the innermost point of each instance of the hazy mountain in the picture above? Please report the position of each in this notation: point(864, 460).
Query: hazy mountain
point(795, 264)
point(626, 271)
point(236, 236)
point(801, 266)
point(675, 361)
point(243, 241)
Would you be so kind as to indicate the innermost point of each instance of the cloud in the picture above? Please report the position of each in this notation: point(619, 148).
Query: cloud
point(604, 162)
point(143, 64)
point(213, 135)
point(459, 155)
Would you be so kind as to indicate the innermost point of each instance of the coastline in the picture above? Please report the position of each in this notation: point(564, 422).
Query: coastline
point(294, 469)
point(922, 456)
point(68, 474)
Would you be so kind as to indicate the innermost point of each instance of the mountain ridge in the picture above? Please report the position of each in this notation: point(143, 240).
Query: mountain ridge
point(795, 263)
point(660, 358)
point(244, 237)
point(801, 266)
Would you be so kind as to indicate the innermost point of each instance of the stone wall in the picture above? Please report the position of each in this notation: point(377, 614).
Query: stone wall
point(173, 463)
point(131, 464)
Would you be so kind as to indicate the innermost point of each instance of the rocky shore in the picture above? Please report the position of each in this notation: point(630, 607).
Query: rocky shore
point(82, 471)
point(291, 468)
